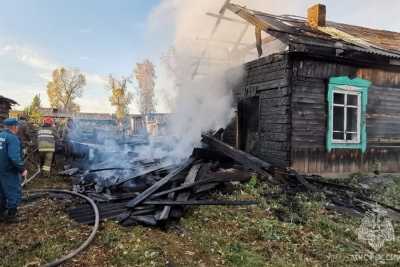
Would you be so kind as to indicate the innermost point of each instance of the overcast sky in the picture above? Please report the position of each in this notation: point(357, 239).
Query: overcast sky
point(101, 37)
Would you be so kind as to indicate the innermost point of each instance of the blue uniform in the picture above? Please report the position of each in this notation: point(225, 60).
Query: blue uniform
point(11, 166)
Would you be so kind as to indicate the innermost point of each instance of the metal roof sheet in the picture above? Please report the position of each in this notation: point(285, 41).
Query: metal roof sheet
point(373, 41)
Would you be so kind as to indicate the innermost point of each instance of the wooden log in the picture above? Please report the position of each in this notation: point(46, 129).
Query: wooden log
point(148, 192)
point(201, 202)
point(241, 157)
point(166, 210)
point(144, 172)
point(210, 179)
point(190, 179)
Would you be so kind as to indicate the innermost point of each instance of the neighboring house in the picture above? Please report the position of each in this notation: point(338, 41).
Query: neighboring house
point(328, 102)
point(153, 124)
point(54, 113)
point(5, 107)
point(84, 117)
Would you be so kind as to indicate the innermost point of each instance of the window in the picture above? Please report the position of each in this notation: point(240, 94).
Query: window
point(347, 101)
point(346, 115)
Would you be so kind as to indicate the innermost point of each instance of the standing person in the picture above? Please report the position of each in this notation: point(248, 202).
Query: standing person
point(46, 144)
point(25, 134)
point(11, 170)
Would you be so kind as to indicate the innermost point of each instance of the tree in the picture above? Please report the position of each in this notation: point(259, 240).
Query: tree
point(66, 86)
point(33, 110)
point(120, 97)
point(145, 75)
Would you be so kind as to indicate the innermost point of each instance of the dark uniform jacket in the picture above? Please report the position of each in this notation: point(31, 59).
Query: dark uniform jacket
point(11, 160)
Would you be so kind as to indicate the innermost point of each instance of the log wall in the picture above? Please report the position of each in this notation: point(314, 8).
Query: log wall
point(309, 119)
point(268, 79)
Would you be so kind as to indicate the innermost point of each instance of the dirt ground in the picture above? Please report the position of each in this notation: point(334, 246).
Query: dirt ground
point(206, 236)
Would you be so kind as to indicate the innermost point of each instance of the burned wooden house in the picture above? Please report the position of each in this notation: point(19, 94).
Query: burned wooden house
point(327, 102)
point(5, 107)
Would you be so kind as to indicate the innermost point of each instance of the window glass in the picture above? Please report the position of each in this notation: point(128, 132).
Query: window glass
point(338, 119)
point(338, 98)
point(347, 102)
point(338, 135)
point(352, 100)
point(351, 119)
point(351, 136)
point(345, 117)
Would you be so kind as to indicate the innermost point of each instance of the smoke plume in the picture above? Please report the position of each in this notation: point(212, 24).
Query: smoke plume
point(198, 62)
point(197, 89)
point(202, 91)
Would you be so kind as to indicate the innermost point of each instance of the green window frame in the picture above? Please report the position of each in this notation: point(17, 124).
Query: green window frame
point(353, 99)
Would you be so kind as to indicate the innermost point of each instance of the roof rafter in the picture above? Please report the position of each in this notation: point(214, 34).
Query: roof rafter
point(276, 29)
point(273, 27)
point(226, 18)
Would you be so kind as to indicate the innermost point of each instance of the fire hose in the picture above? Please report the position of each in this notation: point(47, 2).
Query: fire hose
point(95, 228)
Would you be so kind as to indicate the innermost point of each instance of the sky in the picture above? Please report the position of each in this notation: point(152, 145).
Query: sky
point(100, 37)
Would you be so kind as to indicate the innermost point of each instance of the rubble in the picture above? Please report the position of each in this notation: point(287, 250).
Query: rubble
point(153, 192)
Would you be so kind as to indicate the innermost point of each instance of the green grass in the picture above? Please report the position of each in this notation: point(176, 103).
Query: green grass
point(206, 236)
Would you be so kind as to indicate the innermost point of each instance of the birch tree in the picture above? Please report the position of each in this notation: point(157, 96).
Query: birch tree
point(65, 87)
point(120, 97)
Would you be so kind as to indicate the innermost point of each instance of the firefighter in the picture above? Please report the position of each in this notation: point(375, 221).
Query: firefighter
point(11, 170)
point(46, 144)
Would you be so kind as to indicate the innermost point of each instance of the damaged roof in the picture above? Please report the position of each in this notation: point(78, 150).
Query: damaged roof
point(8, 100)
point(332, 34)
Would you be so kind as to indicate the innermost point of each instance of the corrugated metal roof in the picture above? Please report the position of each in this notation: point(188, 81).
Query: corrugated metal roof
point(373, 41)
point(387, 40)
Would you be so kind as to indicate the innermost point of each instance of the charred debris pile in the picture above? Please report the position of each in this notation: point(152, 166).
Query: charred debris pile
point(153, 192)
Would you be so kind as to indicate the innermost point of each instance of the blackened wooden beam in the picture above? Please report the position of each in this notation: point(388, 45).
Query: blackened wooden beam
point(200, 202)
point(166, 210)
point(197, 183)
point(190, 179)
point(151, 190)
point(145, 171)
point(240, 156)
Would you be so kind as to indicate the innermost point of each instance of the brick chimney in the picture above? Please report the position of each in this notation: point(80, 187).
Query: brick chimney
point(316, 16)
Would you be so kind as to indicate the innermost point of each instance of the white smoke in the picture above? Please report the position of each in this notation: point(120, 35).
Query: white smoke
point(201, 105)
point(203, 92)
point(203, 96)
point(205, 103)
point(204, 99)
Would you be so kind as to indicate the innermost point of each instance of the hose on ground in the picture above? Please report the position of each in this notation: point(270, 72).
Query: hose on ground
point(95, 228)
